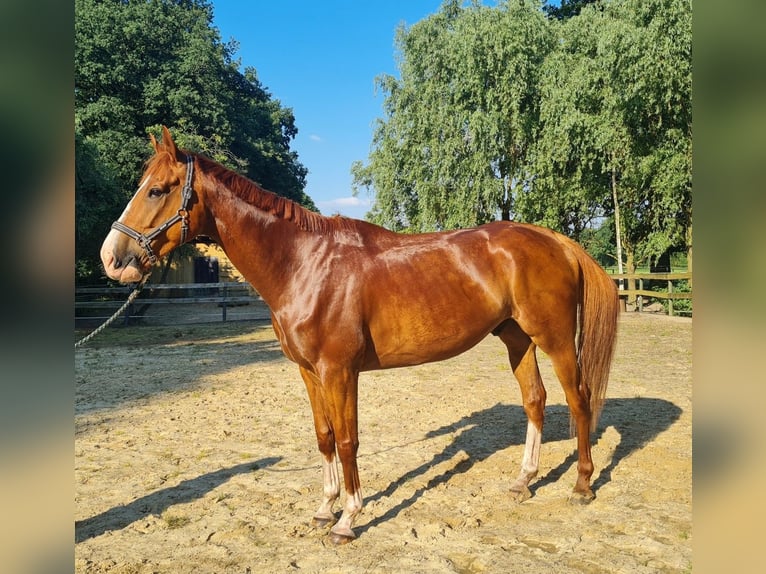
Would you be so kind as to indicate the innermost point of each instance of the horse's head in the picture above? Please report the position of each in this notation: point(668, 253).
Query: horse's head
point(158, 218)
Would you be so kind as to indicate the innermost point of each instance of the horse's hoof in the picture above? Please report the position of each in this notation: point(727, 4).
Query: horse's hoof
point(323, 521)
point(581, 498)
point(339, 538)
point(520, 495)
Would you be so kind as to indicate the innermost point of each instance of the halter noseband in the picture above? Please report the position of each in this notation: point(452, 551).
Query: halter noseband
point(181, 215)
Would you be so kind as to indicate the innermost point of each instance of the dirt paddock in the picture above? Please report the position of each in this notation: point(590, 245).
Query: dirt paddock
point(195, 452)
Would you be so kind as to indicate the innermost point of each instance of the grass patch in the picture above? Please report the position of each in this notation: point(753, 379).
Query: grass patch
point(175, 521)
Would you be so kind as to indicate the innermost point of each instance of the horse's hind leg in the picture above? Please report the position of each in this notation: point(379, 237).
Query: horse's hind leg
point(577, 395)
point(556, 328)
point(521, 352)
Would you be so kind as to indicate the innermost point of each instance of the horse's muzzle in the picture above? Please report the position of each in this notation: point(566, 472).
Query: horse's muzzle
point(120, 264)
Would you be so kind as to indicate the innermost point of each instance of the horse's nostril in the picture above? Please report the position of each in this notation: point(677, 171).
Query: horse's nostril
point(117, 263)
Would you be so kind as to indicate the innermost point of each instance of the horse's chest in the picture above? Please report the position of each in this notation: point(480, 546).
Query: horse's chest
point(303, 338)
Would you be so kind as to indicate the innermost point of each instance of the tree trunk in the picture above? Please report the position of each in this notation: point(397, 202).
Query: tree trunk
point(618, 234)
point(630, 267)
point(505, 204)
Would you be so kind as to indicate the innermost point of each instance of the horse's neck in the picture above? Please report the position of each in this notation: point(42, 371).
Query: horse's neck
point(261, 246)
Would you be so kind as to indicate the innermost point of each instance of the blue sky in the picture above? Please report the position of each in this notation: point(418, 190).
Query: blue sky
point(320, 58)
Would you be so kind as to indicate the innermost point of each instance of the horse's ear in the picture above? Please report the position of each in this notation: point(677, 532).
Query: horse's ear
point(155, 145)
point(168, 143)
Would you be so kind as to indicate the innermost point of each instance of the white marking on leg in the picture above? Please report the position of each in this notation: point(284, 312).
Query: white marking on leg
point(330, 489)
point(354, 503)
point(531, 460)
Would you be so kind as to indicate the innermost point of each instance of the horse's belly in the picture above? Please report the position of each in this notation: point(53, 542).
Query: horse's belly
point(404, 357)
point(403, 344)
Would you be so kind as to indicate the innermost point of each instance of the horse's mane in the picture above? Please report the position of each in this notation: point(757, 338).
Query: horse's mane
point(269, 202)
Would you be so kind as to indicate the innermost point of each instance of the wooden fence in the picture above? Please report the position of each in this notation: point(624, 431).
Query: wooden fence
point(640, 293)
point(93, 303)
point(98, 303)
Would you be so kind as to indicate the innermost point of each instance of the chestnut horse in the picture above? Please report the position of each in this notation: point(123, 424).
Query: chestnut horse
point(347, 296)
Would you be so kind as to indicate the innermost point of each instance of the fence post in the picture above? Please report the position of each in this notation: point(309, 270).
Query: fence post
point(640, 297)
point(223, 303)
point(670, 299)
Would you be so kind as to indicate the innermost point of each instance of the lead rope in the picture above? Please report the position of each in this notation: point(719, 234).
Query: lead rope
point(117, 313)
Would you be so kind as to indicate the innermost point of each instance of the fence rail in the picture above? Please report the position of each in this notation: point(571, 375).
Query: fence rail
point(670, 295)
point(225, 294)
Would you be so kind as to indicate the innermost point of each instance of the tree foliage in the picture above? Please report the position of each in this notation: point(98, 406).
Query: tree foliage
point(616, 125)
point(566, 8)
point(140, 64)
point(452, 149)
point(501, 111)
point(98, 200)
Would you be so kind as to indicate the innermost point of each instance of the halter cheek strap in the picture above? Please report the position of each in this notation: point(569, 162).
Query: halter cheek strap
point(182, 215)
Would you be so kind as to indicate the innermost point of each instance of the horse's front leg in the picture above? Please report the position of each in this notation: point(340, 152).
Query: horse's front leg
point(342, 532)
point(339, 392)
point(330, 491)
point(333, 397)
point(326, 442)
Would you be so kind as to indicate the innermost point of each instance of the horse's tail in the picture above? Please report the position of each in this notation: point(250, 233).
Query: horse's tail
point(599, 309)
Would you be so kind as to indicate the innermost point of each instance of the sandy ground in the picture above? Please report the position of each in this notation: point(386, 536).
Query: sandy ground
point(195, 452)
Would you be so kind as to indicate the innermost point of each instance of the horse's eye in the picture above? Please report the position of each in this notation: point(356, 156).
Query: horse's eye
point(155, 192)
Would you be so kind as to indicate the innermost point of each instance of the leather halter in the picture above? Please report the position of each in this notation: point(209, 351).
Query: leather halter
point(182, 215)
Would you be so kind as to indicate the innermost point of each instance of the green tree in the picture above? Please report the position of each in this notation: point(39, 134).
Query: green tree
point(454, 146)
point(581, 132)
point(566, 8)
point(140, 64)
point(616, 126)
point(574, 122)
point(98, 200)
point(655, 72)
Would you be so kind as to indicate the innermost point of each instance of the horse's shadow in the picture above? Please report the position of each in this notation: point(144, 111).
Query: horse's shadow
point(155, 503)
point(637, 421)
